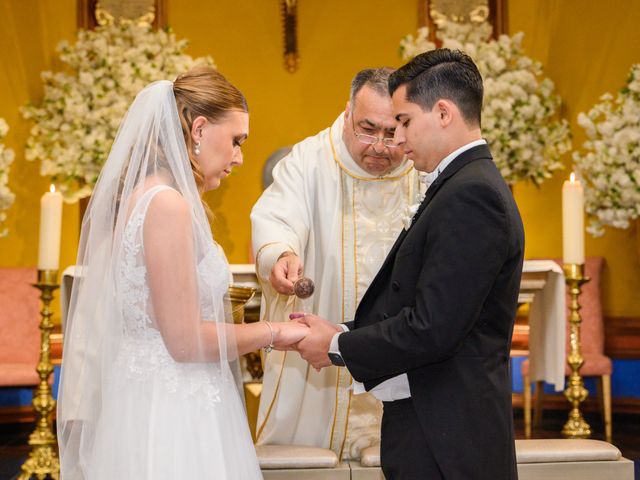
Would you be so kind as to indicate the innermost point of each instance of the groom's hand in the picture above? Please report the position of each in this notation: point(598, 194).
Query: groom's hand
point(314, 347)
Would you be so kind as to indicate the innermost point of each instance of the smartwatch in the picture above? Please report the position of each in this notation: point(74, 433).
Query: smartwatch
point(336, 359)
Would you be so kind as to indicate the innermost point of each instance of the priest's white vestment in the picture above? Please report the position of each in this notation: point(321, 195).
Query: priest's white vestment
point(341, 221)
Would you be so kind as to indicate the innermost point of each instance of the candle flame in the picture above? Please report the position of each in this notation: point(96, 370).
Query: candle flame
point(572, 177)
point(52, 188)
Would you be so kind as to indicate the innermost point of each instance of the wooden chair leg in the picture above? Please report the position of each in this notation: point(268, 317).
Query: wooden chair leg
point(606, 397)
point(537, 413)
point(527, 405)
point(599, 396)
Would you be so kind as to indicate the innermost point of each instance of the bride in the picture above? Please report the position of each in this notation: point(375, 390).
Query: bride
point(149, 385)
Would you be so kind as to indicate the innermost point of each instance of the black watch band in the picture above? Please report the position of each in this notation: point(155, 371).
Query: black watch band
point(336, 359)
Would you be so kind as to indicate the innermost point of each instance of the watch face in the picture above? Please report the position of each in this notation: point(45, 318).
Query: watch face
point(336, 359)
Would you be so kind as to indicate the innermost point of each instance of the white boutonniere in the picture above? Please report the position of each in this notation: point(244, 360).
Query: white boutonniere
point(411, 210)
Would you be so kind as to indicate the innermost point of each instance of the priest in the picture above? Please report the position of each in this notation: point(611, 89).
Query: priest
point(337, 203)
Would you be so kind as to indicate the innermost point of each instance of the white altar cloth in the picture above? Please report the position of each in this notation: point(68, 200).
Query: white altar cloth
point(547, 324)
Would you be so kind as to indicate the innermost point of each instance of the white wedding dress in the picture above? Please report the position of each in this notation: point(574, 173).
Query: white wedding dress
point(148, 389)
point(163, 419)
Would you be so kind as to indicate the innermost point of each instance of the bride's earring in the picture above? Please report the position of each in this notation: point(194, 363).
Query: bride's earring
point(196, 148)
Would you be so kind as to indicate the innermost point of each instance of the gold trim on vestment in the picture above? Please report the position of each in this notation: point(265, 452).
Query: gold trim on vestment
point(339, 370)
point(342, 204)
point(343, 388)
point(342, 248)
point(355, 242)
point(346, 426)
point(335, 410)
point(268, 245)
point(262, 355)
point(275, 394)
point(343, 384)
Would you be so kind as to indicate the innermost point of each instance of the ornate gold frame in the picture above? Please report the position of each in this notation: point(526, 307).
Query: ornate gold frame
point(90, 13)
point(495, 11)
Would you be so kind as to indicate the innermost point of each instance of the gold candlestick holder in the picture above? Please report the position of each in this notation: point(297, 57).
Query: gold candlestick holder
point(240, 295)
point(576, 426)
point(43, 459)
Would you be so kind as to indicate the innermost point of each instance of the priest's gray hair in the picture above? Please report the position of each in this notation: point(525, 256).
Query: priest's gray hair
point(376, 78)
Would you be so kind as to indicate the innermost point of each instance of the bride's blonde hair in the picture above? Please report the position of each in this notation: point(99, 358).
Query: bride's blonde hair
point(203, 91)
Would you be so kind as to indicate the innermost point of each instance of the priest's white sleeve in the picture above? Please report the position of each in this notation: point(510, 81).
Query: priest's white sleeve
point(280, 218)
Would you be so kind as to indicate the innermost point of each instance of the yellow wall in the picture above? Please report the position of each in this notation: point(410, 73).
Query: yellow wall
point(29, 32)
point(336, 38)
point(587, 48)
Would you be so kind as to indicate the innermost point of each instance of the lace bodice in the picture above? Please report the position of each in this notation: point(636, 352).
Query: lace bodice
point(143, 352)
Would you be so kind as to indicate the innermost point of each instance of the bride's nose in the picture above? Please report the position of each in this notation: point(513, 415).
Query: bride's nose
point(238, 158)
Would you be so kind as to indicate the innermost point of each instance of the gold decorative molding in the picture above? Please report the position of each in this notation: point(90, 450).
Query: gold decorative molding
point(460, 11)
point(290, 34)
point(92, 13)
point(240, 296)
point(432, 13)
point(142, 12)
point(638, 237)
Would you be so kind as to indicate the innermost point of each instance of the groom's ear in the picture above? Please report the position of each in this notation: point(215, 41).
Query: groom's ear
point(196, 128)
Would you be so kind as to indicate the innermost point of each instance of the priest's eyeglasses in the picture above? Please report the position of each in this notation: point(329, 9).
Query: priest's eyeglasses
point(371, 139)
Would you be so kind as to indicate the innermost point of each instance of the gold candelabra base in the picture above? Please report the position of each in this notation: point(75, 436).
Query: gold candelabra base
point(239, 296)
point(43, 458)
point(576, 426)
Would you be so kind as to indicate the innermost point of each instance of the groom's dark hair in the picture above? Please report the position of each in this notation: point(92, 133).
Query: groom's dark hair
point(442, 74)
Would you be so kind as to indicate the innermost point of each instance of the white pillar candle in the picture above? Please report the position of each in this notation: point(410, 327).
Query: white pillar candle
point(50, 228)
point(573, 221)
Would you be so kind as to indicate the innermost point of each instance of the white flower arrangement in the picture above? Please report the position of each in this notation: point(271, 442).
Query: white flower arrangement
point(520, 111)
point(610, 166)
point(6, 158)
point(77, 120)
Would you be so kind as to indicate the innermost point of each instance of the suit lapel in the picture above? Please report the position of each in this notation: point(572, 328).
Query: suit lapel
point(475, 153)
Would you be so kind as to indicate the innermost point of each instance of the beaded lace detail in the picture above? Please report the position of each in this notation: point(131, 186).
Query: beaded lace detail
point(143, 356)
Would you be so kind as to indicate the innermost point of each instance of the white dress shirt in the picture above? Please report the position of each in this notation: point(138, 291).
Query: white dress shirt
point(397, 388)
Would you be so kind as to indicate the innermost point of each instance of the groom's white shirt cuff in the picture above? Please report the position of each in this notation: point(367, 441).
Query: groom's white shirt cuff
point(396, 388)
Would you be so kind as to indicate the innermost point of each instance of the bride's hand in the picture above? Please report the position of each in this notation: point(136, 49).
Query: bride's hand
point(287, 334)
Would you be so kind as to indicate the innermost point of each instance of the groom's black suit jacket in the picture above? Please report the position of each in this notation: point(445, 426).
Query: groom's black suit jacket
point(442, 309)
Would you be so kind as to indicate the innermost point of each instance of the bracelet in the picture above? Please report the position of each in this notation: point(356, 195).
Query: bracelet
point(269, 347)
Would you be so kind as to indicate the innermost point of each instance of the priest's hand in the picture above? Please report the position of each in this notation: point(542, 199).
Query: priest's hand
point(314, 347)
point(285, 272)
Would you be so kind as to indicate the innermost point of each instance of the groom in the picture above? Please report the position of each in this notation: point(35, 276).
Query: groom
point(432, 334)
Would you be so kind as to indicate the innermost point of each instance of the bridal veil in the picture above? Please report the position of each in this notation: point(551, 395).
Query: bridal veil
point(121, 359)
